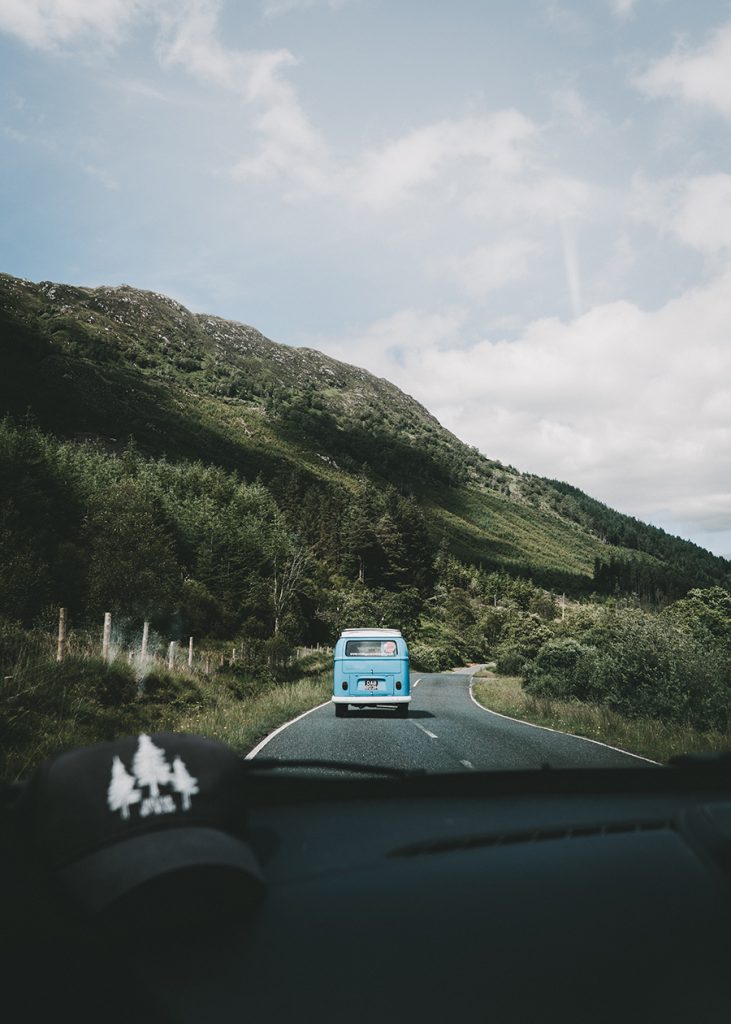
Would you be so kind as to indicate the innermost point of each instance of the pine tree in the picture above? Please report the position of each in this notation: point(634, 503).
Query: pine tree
point(121, 792)
point(150, 766)
point(183, 782)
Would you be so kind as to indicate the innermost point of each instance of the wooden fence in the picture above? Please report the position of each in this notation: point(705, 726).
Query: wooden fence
point(173, 655)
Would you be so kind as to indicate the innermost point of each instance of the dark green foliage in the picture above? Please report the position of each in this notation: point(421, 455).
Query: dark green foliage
point(48, 706)
point(160, 687)
point(668, 666)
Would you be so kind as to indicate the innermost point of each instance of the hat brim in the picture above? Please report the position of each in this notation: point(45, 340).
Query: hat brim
point(102, 878)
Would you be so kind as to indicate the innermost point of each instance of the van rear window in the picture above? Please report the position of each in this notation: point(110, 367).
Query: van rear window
point(370, 648)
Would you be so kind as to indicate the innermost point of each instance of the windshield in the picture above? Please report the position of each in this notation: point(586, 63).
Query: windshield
point(364, 381)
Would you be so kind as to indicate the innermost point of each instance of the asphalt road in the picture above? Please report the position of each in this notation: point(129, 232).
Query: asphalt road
point(445, 731)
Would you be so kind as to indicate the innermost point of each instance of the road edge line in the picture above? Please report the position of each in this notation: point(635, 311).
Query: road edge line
point(252, 753)
point(547, 728)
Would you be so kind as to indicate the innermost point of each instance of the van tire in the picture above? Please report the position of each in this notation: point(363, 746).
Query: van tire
point(402, 710)
point(341, 710)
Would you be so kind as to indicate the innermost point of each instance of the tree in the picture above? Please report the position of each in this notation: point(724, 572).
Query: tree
point(290, 565)
point(122, 791)
point(183, 782)
point(150, 766)
point(133, 568)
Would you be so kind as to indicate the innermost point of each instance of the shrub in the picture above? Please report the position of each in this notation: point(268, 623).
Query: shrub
point(509, 659)
point(160, 687)
point(559, 668)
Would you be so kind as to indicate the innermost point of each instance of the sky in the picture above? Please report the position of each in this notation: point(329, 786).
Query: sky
point(518, 212)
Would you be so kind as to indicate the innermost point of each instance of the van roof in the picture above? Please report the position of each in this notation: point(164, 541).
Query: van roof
point(371, 632)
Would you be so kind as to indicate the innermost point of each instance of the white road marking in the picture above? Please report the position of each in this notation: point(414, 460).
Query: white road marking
point(547, 728)
point(433, 736)
point(468, 764)
point(417, 682)
point(258, 747)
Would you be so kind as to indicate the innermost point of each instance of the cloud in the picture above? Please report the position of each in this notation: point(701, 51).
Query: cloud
point(697, 210)
point(633, 406)
point(102, 176)
point(699, 76)
point(288, 144)
point(703, 217)
point(490, 267)
point(50, 24)
point(395, 172)
point(276, 8)
point(482, 165)
point(623, 9)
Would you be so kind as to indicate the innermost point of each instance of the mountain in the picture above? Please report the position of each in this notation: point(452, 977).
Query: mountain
point(98, 368)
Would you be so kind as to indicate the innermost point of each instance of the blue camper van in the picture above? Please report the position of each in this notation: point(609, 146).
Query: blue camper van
point(371, 669)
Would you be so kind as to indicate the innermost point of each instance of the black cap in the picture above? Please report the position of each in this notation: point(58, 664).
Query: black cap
point(162, 814)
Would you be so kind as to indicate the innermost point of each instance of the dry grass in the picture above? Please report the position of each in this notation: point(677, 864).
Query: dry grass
point(241, 724)
point(645, 736)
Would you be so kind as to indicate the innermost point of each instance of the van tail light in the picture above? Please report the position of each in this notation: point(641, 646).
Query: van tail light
point(345, 686)
point(398, 685)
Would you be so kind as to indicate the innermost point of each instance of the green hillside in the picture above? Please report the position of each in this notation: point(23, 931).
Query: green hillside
point(127, 413)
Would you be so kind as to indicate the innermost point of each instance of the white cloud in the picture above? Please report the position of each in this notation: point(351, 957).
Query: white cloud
point(703, 219)
point(701, 76)
point(102, 176)
point(623, 9)
point(570, 106)
point(49, 24)
point(394, 172)
point(697, 210)
point(288, 144)
point(632, 406)
point(275, 8)
point(490, 267)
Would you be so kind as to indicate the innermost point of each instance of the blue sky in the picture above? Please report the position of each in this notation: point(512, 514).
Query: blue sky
point(518, 212)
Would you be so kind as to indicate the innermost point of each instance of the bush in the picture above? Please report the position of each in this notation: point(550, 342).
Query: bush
point(509, 659)
point(432, 657)
point(640, 665)
point(559, 669)
point(160, 687)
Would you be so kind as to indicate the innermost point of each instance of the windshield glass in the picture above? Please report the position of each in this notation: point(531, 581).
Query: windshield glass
point(395, 333)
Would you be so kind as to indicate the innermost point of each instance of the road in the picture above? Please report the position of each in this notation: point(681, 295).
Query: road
point(445, 731)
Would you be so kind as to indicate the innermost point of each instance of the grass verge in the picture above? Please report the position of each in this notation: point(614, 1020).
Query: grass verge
point(241, 724)
point(47, 707)
point(645, 736)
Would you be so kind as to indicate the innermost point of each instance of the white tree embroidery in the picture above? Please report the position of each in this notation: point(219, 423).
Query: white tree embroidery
point(150, 766)
point(184, 782)
point(121, 792)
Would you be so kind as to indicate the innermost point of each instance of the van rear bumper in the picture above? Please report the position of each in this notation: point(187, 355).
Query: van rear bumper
point(362, 698)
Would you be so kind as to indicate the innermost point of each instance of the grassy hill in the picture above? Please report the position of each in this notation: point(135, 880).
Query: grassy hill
point(93, 369)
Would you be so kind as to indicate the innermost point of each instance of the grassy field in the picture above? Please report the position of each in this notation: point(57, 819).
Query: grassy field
point(645, 736)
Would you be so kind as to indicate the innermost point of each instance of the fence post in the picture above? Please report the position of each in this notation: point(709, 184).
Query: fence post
point(106, 635)
point(190, 652)
point(61, 645)
point(207, 668)
point(145, 641)
point(171, 655)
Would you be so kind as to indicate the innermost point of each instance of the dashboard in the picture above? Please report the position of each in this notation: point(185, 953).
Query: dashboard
point(516, 896)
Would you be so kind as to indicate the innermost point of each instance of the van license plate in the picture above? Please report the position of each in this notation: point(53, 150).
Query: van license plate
point(371, 684)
